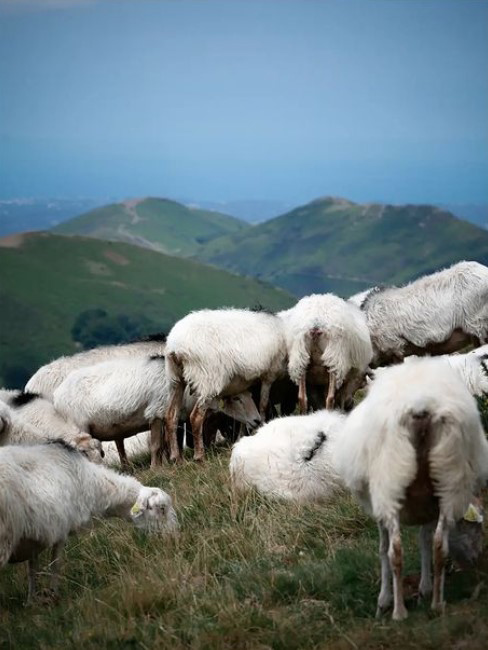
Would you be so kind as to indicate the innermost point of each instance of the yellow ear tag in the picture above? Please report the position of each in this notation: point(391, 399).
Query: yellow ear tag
point(136, 509)
point(473, 514)
point(221, 403)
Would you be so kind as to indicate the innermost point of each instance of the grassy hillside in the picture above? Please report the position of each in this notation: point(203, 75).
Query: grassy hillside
point(47, 280)
point(244, 573)
point(336, 245)
point(159, 224)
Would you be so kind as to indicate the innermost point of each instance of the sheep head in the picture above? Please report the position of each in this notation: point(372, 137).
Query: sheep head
point(153, 511)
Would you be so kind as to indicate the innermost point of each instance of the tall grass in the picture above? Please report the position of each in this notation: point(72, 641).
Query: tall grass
point(245, 572)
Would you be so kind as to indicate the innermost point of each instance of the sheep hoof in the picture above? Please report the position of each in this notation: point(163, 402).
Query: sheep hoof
point(399, 614)
point(439, 608)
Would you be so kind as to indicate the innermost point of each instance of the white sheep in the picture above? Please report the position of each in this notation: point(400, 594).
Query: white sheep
point(328, 343)
point(116, 399)
point(414, 451)
point(472, 368)
point(290, 458)
point(219, 353)
point(51, 490)
point(30, 419)
point(49, 377)
point(436, 314)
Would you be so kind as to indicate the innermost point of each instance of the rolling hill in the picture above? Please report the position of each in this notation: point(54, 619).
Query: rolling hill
point(48, 280)
point(158, 224)
point(337, 245)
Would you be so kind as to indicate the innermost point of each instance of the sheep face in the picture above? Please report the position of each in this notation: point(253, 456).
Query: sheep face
point(153, 512)
point(242, 409)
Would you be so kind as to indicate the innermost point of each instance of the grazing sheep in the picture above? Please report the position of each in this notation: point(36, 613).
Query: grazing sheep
point(290, 458)
point(51, 490)
point(117, 399)
point(414, 452)
point(220, 353)
point(436, 314)
point(328, 342)
point(49, 377)
point(29, 419)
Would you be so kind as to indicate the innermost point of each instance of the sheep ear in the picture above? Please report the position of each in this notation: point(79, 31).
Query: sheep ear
point(473, 514)
point(139, 507)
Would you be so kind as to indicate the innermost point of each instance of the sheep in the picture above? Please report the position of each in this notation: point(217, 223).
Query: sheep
point(413, 451)
point(50, 376)
point(116, 399)
point(29, 419)
point(436, 314)
point(52, 490)
point(290, 458)
point(327, 340)
point(220, 353)
point(472, 368)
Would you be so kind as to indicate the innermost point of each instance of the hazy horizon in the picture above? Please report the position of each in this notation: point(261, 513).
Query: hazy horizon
point(235, 100)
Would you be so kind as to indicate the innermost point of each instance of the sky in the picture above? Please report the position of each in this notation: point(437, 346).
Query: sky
point(220, 100)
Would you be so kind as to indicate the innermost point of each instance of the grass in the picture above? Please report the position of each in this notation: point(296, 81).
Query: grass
point(245, 572)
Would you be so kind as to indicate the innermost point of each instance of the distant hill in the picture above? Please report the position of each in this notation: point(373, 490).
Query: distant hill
point(48, 280)
point(337, 245)
point(159, 224)
point(21, 214)
point(476, 213)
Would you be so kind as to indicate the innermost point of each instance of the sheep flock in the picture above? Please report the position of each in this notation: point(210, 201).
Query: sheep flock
point(375, 395)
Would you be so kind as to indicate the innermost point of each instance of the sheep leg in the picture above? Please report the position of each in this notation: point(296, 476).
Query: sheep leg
point(330, 398)
point(302, 394)
point(156, 443)
point(197, 418)
point(56, 567)
point(33, 571)
point(124, 461)
point(171, 421)
point(395, 555)
point(264, 398)
point(386, 596)
point(441, 545)
point(425, 541)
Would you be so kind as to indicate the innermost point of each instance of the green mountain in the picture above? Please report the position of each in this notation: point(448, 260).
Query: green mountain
point(159, 224)
point(48, 280)
point(340, 246)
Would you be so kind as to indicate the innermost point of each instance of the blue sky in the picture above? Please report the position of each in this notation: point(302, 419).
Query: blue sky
point(241, 99)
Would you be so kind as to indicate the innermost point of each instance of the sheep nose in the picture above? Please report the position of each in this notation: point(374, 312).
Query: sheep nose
point(421, 415)
point(256, 422)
